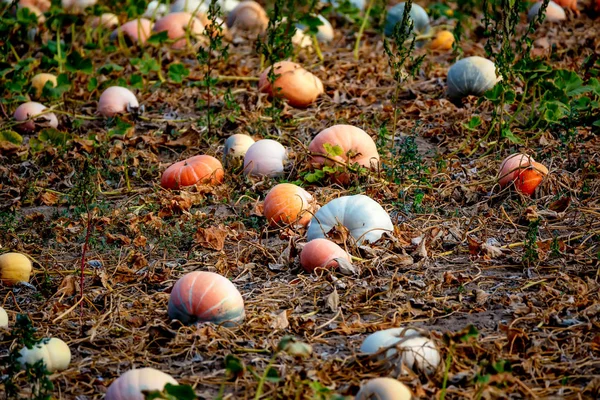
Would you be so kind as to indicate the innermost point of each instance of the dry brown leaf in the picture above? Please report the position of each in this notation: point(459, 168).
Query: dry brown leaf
point(49, 198)
point(211, 237)
point(333, 300)
point(280, 321)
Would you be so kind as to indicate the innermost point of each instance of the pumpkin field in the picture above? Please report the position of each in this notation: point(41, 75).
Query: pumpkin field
point(299, 199)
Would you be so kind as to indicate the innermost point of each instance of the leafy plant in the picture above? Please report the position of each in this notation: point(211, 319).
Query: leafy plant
point(399, 52)
point(23, 333)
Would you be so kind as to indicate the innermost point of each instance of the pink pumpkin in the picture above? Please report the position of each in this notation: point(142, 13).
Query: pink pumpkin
point(354, 144)
point(137, 30)
point(321, 253)
point(206, 296)
point(34, 116)
point(178, 26)
point(130, 385)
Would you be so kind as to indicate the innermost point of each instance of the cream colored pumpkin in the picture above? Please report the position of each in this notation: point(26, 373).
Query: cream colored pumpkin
point(14, 267)
point(384, 389)
point(55, 354)
point(130, 385)
point(3, 318)
point(419, 353)
point(235, 149)
point(364, 218)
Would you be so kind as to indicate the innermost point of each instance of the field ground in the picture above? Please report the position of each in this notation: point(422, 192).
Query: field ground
point(508, 286)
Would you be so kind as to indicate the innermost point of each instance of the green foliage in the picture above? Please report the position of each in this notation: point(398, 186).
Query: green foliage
point(399, 52)
point(178, 72)
point(172, 392)
point(530, 255)
point(36, 375)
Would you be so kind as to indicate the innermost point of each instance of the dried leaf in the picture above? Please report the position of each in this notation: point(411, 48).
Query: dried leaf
point(280, 321)
point(346, 267)
point(333, 300)
point(211, 238)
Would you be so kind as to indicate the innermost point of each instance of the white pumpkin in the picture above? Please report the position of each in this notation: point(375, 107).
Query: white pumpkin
point(419, 353)
point(155, 10)
point(236, 147)
point(3, 318)
point(471, 76)
point(384, 389)
point(554, 12)
point(364, 218)
point(54, 352)
point(265, 158)
point(191, 6)
point(130, 385)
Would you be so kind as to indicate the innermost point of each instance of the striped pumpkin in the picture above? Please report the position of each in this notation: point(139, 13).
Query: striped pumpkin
point(197, 169)
point(208, 297)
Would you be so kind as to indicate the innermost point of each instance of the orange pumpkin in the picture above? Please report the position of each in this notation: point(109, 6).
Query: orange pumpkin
point(178, 26)
point(353, 145)
point(443, 41)
point(206, 296)
point(570, 4)
point(298, 86)
point(288, 204)
point(321, 253)
point(197, 169)
point(521, 170)
point(137, 30)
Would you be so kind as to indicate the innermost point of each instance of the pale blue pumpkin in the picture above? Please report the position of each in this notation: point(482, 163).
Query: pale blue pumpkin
point(417, 14)
point(471, 76)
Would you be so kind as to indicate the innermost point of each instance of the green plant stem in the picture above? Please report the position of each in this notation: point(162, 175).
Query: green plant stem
point(59, 53)
point(362, 29)
point(263, 378)
point(446, 373)
point(317, 47)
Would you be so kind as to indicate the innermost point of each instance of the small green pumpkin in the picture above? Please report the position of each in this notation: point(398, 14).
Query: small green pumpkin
point(471, 76)
point(417, 14)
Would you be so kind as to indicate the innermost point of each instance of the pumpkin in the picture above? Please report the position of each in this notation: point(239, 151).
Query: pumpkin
point(287, 204)
point(235, 149)
point(471, 76)
point(568, 4)
point(14, 267)
point(116, 100)
point(384, 389)
point(364, 218)
point(321, 253)
point(3, 318)
point(325, 33)
point(106, 20)
point(40, 5)
point(417, 14)
point(265, 158)
point(31, 114)
point(130, 385)
point(39, 81)
point(137, 30)
point(206, 296)
point(419, 353)
point(155, 9)
point(77, 6)
point(248, 16)
point(353, 144)
point(197, 169)
point(523, 171)
point(442, 41)
point(554, 12)
point(292, 82)
point(191, 6)
point(55, 354)
point(178, 26)
point(359, 4)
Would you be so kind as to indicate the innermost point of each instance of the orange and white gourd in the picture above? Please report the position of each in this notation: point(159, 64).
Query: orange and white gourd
point(202, 296)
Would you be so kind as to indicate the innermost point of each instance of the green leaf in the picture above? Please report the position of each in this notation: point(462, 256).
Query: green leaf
point(35, 145)
point(76, 62)
point(11, 136)
point(62, 85)
point(315, 176)
point(177, 72)
point(234, 365)
point(158, 38)
point(507, 133)
point(333, 150)
point(272, 375)
point(121, 128)
point(473, 123)
point(472, 332)
point(108, 68)
point(92, 84)
point(136, 81)
point(54, 137)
